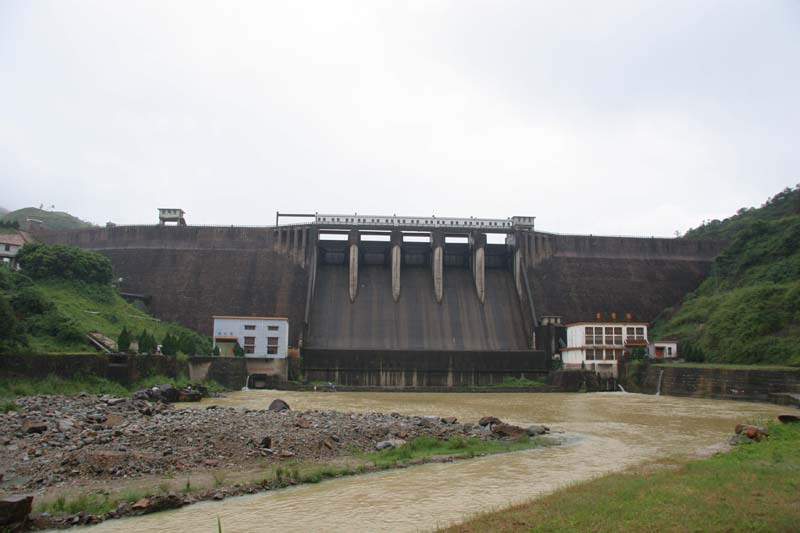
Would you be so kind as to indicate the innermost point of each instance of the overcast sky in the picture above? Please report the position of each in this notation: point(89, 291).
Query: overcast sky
point(628, 117)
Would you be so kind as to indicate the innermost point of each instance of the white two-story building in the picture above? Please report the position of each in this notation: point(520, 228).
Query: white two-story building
point(264, 337)
point(599, 345)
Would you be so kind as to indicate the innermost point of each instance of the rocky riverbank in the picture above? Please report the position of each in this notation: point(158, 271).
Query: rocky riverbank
point(50, 443)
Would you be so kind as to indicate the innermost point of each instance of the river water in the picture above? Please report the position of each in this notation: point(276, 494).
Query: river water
point(604, 432)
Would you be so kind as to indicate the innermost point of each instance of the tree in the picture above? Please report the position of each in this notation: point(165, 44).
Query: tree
point(216, 351)
point(169, 346)
point(187, 344)
point(147, 343)
point(8, 322)
point(237, 350)
point(47, 261)
point(124, 340)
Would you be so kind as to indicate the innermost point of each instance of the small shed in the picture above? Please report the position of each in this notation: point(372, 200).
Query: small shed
point(171, 214)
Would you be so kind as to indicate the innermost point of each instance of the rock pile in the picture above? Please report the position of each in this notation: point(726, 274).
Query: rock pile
point(169, 394)
point(54, 440)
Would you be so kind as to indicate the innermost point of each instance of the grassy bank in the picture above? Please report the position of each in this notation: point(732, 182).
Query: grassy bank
point(425, 447)
point(54, 385)
point(204, 485)
point(719, 366)
point(752, 488)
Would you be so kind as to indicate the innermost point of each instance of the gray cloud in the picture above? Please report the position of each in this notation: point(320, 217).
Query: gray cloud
point(613, 117)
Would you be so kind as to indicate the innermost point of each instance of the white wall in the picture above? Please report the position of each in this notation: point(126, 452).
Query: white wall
point(235, 327)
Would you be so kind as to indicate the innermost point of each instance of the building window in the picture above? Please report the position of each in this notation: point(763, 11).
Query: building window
point(272, 328)
point(8, 247)
point(669, 350)
point(272, 345)
point(589, 335)
point(249, 349)
point(249, 342)
point(635, 333)
point(250, 327)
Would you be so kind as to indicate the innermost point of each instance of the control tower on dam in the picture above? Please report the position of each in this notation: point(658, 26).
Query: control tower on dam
point(400, 301)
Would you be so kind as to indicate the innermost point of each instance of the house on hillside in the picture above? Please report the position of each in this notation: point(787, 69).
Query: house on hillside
point(10, 244)
point(664, 349)
point(263, 337)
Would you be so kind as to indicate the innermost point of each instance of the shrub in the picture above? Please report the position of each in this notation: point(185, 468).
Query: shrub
point(216, 351)
point(29, 301)
point(237, 350)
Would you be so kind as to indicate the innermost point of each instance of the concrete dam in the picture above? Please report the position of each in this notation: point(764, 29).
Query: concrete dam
point(400, 302)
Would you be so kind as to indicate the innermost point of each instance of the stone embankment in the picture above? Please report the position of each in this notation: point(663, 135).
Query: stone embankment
point(55, 442)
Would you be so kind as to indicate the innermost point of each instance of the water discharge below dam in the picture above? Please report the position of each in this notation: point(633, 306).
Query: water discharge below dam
point(606, 432)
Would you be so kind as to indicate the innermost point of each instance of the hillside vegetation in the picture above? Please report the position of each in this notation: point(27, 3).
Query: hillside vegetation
point(64, 293)
point(748, 310)
point(52, 220)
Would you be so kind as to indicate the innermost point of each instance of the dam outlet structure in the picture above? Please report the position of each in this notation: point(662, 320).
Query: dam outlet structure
point(401, 301)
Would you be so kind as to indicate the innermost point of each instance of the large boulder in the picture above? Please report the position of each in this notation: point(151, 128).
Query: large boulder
point(190, 395)
point(388, 444)
point(278, 405)
point(755, 433)
point(169, 394)
point(537, 430)
point(33, 426)
point(15, 509)
point(507, 430)
point(489, 420)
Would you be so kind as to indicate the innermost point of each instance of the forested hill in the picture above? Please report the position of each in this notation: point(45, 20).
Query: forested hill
point(51, 220)
point(748, 309)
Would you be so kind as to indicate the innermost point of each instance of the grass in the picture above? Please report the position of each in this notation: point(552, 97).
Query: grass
point(425, 446)
point(89, 503)
point(53, 385)
point(510, 382)
point(722, 366)
point(98, 308)
point(752, 488)
point(8, 405)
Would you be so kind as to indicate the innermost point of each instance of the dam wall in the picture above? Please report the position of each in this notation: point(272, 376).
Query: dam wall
point(392, 296)
point(189, 273)
point(421, 368)
point(416, 321)
point(578, 276)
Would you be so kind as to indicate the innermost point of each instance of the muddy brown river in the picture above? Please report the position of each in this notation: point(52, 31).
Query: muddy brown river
point(605, 432)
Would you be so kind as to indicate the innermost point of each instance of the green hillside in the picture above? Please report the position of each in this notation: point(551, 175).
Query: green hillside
point(64, 294)
point(52, 220)
point(748, 310)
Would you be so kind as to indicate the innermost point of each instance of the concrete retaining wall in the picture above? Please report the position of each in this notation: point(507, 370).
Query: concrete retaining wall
point(727, 384)
point(420, 368)
point(232, 372)
point(123, 369)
